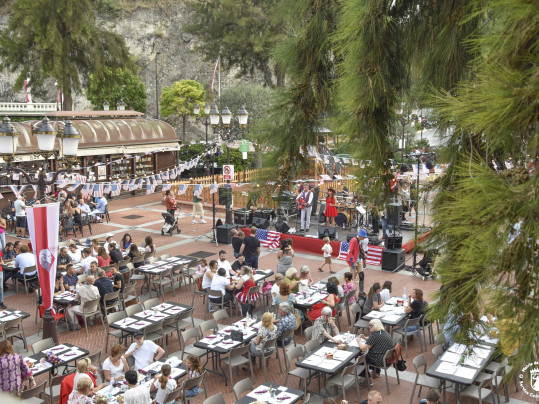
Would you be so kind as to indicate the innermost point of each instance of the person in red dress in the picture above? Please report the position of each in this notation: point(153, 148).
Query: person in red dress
point(331, 208)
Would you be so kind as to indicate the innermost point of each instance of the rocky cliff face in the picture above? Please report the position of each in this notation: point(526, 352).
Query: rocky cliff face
point(161, 49)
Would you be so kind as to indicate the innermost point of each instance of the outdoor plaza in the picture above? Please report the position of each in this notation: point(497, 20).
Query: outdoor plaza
point(162, 301)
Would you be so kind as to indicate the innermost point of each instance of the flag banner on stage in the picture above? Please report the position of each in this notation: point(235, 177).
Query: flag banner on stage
point(43, 224)
point(268, 238)
point(374, 255)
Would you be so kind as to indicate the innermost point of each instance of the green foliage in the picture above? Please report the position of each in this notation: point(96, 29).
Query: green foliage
point(256, 99)
point(63, 42)
point(180, 98)
point(242, 32)
point(128, 87)
point(190, 151)
point(236, 159)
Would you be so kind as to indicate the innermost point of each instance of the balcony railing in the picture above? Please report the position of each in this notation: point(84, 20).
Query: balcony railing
point(27, 109)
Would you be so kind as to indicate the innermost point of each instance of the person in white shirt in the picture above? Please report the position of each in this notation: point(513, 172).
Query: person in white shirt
point(100, 208)
point(108, 241)
point(115, 365)
point(386, 291)
point(275, 289)
point(135, 394)
point(20, 217)
point(164, 385)
point(222, 284)
point(84, 293)
point(223, 263)
point(209, 274)
point(74, 253)
point(84, 207)
point(365, 245)
point(86, 261)
point(23, 260)
point(305, 198)
point(144, 352)
point(328, 250)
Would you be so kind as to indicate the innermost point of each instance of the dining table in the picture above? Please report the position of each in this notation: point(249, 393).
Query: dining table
point(272, 392)
point(65, 353)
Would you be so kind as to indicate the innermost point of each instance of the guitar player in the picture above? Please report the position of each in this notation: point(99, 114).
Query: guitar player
point(305, 205)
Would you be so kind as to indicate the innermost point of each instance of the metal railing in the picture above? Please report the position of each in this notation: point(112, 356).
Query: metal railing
point(26, 108)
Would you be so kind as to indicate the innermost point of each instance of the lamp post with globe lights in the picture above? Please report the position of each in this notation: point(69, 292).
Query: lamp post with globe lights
point(205, 120)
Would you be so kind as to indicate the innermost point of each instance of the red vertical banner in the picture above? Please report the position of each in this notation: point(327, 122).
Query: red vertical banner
point(43, 225)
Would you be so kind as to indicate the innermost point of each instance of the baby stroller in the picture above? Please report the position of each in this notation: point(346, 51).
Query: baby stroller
point(170, 224)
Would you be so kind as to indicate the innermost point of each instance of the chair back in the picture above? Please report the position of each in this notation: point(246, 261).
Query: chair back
point(43, 344)
point(172, 396)
point(29, 269)
point(33, 392)
point(241, 387)
point(123, 263)
point(82, 278)
point(215, 294)
point(188, 384)
point(220, 315)
point(253, 290)
point(164, 257)
point(138, 260)
point(389, 354)
point(239, 351)
point(311, 345)
point(270, 344)
point(111, 296)
point(156, 327)
point(440, 339)
point(411, 322)
point(288, 334)
point(116, 316)
point(129, 290)
point(91, 306)
point(308, 332)
point(189, 334)
point(215, 399)
point(419, 362)
point(148, 304)
point(437, 351)
point(134, 309)
point(208, 325)
point(294, 353)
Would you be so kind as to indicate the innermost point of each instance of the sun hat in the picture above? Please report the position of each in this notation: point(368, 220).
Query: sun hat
point(362, 233)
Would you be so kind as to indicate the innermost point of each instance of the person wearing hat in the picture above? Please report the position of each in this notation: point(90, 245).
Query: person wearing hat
point(305, 204)
point(144, 352)
point(355, 258)
point(331, 208)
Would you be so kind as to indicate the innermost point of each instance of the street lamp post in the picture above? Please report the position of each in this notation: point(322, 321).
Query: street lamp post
point(403, 122)
point(206, 123)
point(45, 134)
point(156, 84)
point(222, 126)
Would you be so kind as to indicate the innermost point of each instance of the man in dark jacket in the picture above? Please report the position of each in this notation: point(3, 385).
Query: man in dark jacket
point(104, 285)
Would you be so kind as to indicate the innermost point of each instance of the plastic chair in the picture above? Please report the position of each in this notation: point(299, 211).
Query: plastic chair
point(241, 387)
point(311, 345)
point(480, 392)
point(301, 373)
point(26, 278)
point(308, 332)
point(345, 379)
point(389, 353)
point(215, 399)
point(43, 344)
point(403, 331)
point(357, 311)
point(14, 328)
point(190, 383)
point(220, 315)
point(421, 378)
point(148, 304)
point(182, 320)
point(161, 281)
point(112, 318)
point(209, 325)
point(172, 396)
point(128, 295)
point(89, 309)
point(236, 359)
point(111, 301)
point(185, 337)
point(154, 332)
point(268, 349)
point(437, 351)
point(164, 257)
point(57, 316)
point(134, 309)
point(30, 396)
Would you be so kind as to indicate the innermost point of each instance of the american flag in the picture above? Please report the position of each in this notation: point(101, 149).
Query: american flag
point(125, 185)
point(98, 190)
point(107, 189)
point(158, 178)
point(214, 188)
point(132, 186)
point(115, 189)
point(343, 250)
point(74, 186)
point(182, 189)
point(198, 190)
point(164, 176)
point(35, 191)
point(165, 187)
point(86, 189)
point(268, 238)
point(139, 183)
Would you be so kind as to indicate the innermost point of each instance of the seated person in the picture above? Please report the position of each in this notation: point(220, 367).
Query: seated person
point(74, 253)
point(415, 308)
point(59, 285)
point(267, 331)
point(223, 263)
point(221, 283)
point(374, 397)
point(324, 328)
point(63, 259)
point(135, 394)
point(236, 265)
point(25, 259)
point(115, 254)
point(374, 300)
point(144, 352)
point(118, 282)
point(70, 278)
point(104, 285)
point(194, 369)
point(432, 397)
point(286, 322)
point(163, 384)
point(378, 343)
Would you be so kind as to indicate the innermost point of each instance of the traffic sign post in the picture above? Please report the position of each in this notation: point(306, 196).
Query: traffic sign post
point(228, 172)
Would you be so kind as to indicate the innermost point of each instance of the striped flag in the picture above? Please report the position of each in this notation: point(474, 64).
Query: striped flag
point(198, 190)
point(165, 187)
point(139, 183)
point(158, 178)
point(35, 191)
point(74, 186)
point(215, 71)
point(268, 238)
point(98, 190)
point(374, 255)
point(343, 250)
point(115, 189)
point(16, 189)
point(107, 189)
point(182, 189)
point(164, 176)
point(214, 188)
point(48, 189)
point(132, 185)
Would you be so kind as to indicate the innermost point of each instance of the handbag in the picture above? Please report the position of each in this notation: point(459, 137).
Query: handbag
point(400, 364)
point(236, 335)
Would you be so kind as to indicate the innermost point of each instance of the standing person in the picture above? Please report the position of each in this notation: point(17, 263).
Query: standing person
point(355, 257)
point(2, 233)
point(170, 202)
point(149, 249)
point(236, 242)
point(285, 255)
point(13, 370)
point(251, 249)
point(198, 209)
point(328, 250)
point(331, 208)
point(164, 384)
point(20, 217)
point(375, 219)
point(305, 204)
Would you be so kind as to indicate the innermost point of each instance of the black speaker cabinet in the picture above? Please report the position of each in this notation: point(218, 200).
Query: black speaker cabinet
point(282, 227)
point(393, 258)
point(394, 242)
point(261, 222)
point(394, 216)
point(223, 233)
point(243, 217)
point(324, 231)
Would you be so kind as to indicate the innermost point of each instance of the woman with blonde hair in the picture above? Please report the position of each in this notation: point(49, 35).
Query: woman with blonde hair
point(378, 343)
point(85, 370)
point(164, 385)
point(81, 393)
point(266, 332)
point(291, 279)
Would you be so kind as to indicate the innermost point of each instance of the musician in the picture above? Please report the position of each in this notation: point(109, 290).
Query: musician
point(305, 204)
point(331, 208)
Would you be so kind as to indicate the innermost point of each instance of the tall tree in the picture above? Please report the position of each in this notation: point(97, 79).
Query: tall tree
point(180, 98)
point(128, 87)
point(242, 32)
point(60, 39)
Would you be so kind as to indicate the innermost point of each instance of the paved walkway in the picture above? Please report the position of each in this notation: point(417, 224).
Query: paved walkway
point(141, 216)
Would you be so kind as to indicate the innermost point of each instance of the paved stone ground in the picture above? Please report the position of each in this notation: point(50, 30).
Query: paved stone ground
point(196, 237)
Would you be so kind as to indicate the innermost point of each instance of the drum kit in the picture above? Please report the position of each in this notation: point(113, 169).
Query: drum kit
point(351, 212)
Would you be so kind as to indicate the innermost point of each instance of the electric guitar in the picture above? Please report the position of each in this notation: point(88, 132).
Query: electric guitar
point(301, 203)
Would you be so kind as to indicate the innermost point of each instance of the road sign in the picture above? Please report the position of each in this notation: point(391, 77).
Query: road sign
point(244, 145)
point(228, 172)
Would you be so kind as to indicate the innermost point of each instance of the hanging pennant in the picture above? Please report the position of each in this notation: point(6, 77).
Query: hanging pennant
point(182, 189)
point(214, 188)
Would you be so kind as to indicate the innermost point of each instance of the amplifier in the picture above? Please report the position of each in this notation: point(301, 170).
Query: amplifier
point(223, 233)
point(393, 259)
point(243, 217)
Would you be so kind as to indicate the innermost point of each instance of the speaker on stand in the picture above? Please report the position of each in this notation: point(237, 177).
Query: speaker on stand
point(394, 215)
point(261, 222)
point(281, 226)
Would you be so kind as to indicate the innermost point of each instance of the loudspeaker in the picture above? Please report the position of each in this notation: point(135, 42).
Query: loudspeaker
point(374, 240)
point(393, 259)
point(223, 233)
point(394, 217)
point(225, 196)
point(394, 242)
point(325, 231)
point(322, 215)
point(316, 193)
point(340, 219)
point(261, 223)
point(282, 227)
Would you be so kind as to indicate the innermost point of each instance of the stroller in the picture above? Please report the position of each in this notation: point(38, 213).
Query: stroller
point(171, 223)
